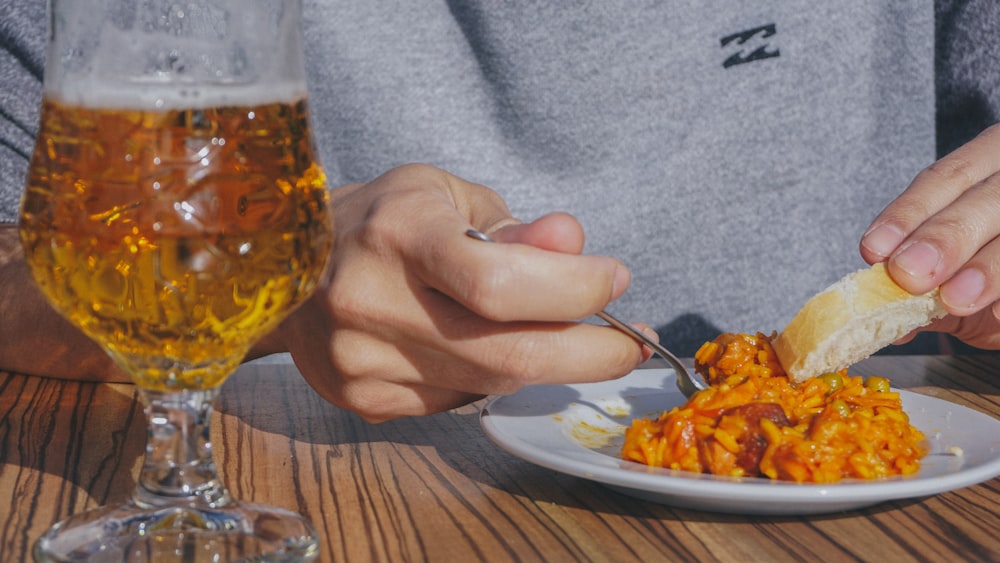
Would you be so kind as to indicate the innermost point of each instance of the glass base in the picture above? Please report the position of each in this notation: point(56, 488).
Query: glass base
point(240, 532)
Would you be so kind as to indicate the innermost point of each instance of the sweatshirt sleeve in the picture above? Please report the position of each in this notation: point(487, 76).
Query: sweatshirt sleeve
point(968, 77)
point(22, 55)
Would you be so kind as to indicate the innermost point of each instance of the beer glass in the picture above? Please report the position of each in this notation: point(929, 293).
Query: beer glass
point(175, 212)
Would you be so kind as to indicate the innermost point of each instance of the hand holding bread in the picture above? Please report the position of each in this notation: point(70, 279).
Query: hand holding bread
point(943, 232)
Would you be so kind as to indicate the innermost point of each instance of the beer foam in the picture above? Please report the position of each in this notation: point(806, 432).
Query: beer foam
point(153, 95)
point(190, 57)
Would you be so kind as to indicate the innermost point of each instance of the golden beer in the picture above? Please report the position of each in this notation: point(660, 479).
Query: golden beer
point(165, 236)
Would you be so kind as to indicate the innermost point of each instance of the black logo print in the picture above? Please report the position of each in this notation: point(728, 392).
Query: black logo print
point(751, 45)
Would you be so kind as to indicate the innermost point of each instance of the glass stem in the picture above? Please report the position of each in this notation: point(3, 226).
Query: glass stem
point(179, 469)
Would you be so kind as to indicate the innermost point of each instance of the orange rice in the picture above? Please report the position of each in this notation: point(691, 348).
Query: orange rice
point(752, 421)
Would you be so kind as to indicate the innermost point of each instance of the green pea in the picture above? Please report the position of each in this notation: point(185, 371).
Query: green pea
point(877, 384)
point(832, 380)
point(841, 408)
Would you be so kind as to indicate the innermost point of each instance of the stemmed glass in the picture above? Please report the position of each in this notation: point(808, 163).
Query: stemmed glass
point(175, 212)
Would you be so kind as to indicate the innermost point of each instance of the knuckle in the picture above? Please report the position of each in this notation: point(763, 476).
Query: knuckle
point(411, 169)
point(354, 356)
point(952, 169)
point(960, 232)
point(950, 229)
point(987, 197)
point(520, 364)
point(355, 383)
point(369, 401)
point(379, 229)
point(488, 197)
point(344, 302)
point(484, 197)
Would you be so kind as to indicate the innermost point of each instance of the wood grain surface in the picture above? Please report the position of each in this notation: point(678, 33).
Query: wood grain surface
point(436, 489)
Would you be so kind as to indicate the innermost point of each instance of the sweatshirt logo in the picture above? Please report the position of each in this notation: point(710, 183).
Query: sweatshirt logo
point(750, 45)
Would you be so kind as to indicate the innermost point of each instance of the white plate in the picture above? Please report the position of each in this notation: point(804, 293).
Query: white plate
point(579, 429)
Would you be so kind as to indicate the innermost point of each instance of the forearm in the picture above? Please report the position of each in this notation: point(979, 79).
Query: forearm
point(34, 339)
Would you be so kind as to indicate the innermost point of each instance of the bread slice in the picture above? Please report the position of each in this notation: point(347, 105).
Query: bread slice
point(851, 320)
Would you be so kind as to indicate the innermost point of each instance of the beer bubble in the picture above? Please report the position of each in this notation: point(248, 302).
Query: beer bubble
point(185, 210)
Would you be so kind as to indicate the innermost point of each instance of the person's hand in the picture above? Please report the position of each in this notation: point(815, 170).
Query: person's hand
point(416, 317)
point(942, 231)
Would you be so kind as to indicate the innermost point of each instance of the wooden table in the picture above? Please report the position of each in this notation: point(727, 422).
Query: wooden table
point(436, 489)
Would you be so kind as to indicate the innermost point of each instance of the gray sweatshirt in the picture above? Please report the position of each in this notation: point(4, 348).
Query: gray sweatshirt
point(730, 153)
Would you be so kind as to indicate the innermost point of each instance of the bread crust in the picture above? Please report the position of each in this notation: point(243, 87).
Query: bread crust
point(851, 320)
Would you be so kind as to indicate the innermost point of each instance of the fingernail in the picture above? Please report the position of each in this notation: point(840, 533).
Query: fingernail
point(882, 240)
point(648, 331)
point(963, 290)
point(621, 280)
point(919, 259)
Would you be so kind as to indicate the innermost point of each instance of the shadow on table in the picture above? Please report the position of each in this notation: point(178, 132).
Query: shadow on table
point(89, 435)
point(274, 398)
